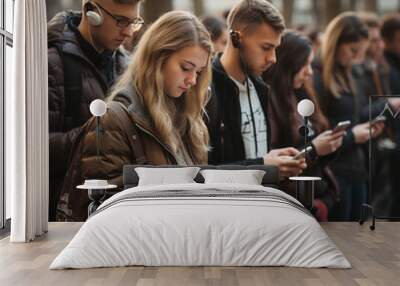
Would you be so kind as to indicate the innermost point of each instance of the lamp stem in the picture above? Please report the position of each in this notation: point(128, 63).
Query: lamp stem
point(305, 135)
point(97, 135)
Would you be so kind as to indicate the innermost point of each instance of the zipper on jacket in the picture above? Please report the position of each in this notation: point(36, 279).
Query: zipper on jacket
point(158, 140)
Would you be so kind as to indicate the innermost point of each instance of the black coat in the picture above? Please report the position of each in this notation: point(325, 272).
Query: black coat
point(350, 162)
point(394, 77)
point(224, 118)
point(394, 74)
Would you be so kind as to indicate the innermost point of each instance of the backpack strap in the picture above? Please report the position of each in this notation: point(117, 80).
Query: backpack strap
point(72, 88)
point(129, 127)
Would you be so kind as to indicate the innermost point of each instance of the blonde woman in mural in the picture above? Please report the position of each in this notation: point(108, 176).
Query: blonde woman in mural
point(158, 119)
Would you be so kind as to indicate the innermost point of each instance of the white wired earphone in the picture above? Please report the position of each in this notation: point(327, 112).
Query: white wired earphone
point(94, 18)
point(236, 42)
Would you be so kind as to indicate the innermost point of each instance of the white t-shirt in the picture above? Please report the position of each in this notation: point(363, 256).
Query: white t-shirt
point(247, 122)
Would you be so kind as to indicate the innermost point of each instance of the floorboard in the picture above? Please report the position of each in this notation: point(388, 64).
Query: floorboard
point(374, 255)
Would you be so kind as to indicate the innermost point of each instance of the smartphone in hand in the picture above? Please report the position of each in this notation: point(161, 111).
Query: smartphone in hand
point(302, 153)
point(381, 118)
point(341, 126)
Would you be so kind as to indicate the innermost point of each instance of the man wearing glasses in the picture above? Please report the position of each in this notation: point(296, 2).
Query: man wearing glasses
point(84, 60)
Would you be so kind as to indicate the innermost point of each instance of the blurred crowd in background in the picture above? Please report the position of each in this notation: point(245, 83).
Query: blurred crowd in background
point(347, 63)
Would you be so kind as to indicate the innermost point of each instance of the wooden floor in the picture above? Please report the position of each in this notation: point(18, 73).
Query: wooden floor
point(374, 255)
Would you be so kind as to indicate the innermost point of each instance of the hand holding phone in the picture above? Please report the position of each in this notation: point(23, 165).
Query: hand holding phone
point(342, 126)
point(302, 153)
point(283, 159)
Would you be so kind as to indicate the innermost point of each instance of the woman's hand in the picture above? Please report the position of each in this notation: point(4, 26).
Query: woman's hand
point(328, 142)
point(361, 131)
point(394, 103)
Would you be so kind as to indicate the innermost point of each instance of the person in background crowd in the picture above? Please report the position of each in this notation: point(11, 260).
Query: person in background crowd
point(344, 37)
point(313, 34)
point(238, 120)
point(156, 109)
point(218, 32)
point(372, 76)
point(130, 43)
point(374, 63)
point(286, 79)
point(390, 31)
point(83, 63)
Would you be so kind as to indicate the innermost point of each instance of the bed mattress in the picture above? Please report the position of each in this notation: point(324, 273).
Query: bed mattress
point(201, 225)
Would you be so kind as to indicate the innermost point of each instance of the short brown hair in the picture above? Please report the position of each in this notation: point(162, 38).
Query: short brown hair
point(255, 12)
point(390, 25)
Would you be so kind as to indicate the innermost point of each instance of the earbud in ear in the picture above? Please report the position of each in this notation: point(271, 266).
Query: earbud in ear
point(235, 38)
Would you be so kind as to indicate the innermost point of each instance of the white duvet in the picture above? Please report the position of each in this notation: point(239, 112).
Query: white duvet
point(185, 230)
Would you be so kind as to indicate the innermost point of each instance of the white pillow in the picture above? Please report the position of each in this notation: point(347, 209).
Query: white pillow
point(248, 177)
point(165, 176)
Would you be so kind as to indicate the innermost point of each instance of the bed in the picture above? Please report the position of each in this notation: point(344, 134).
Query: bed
point(201, 224)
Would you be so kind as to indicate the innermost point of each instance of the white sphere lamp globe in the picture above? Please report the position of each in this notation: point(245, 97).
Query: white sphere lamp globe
point(98, 107)
point(305, 108)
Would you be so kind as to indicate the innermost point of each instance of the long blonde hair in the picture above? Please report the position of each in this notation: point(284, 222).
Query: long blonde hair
point(345, 28)
point(174, 119)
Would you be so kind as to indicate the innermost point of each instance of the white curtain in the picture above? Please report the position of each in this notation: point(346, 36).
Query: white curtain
point(27, 124)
